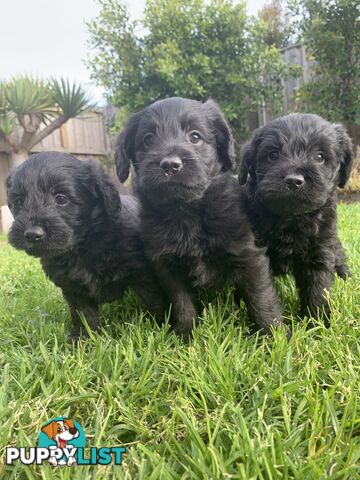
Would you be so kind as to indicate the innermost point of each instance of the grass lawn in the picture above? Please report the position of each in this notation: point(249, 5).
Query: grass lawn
point(226, 406)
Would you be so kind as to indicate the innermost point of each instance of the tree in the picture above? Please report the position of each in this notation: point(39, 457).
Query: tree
point(27, 104)
point(192, 48)
point(275, 25)
point(331, 33)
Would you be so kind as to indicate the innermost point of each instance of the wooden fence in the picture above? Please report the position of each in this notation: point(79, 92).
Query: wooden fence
point(354, 132)
point(84, 136)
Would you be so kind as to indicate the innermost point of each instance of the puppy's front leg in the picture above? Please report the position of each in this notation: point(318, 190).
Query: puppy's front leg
point(152, 298)
point(341, 266)
point(85, 307)
point(183, 312)
point(254, 285)
point(313, 279)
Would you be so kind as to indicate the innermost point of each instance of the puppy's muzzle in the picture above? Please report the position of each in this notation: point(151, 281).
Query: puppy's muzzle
point(34, 234)
point(294, 181)
point(171, 165)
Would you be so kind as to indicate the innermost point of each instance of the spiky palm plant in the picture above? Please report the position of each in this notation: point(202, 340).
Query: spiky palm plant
point(7, 118)
point(31, 109)
point(70, 98)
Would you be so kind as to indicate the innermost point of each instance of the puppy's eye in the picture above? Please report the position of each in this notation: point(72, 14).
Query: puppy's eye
point(319, 158)
point(61, 200)
point(273, 156)
point(19, 202)
point(195, 137)
point(149, 139)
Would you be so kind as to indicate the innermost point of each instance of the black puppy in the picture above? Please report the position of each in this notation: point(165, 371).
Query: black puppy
point(193, 226)
point(67, 212)
point(292, 167)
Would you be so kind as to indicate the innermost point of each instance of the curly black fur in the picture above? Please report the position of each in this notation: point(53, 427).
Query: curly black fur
point(291, 168)
point(193, 225)
point(69, 213)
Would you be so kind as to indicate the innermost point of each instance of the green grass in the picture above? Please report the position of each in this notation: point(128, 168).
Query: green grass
point(227, 406)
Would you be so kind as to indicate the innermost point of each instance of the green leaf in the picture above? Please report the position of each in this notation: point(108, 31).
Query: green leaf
point(70, 98)
point(26, 96)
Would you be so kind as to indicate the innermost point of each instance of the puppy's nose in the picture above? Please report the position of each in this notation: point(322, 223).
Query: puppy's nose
point(34, 234)
point(171, 165)
point(72, 431)
point(294, 181)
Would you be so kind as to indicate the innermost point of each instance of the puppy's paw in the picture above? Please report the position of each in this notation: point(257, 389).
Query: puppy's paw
point(343, 271)
point(185, 334)
point(279, 325)
point(75, 336)
point(321, 312)
point(73, 339)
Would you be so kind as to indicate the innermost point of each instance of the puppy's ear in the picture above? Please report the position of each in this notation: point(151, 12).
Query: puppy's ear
point(50, 429)
point(224, 138)
point(248, 156)
point(9, 181)
point(8, 184)
point(125, 147)
point(345, 154)
point(104, 188)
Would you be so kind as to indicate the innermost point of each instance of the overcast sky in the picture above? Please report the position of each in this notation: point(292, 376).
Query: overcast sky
point(48, 37)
